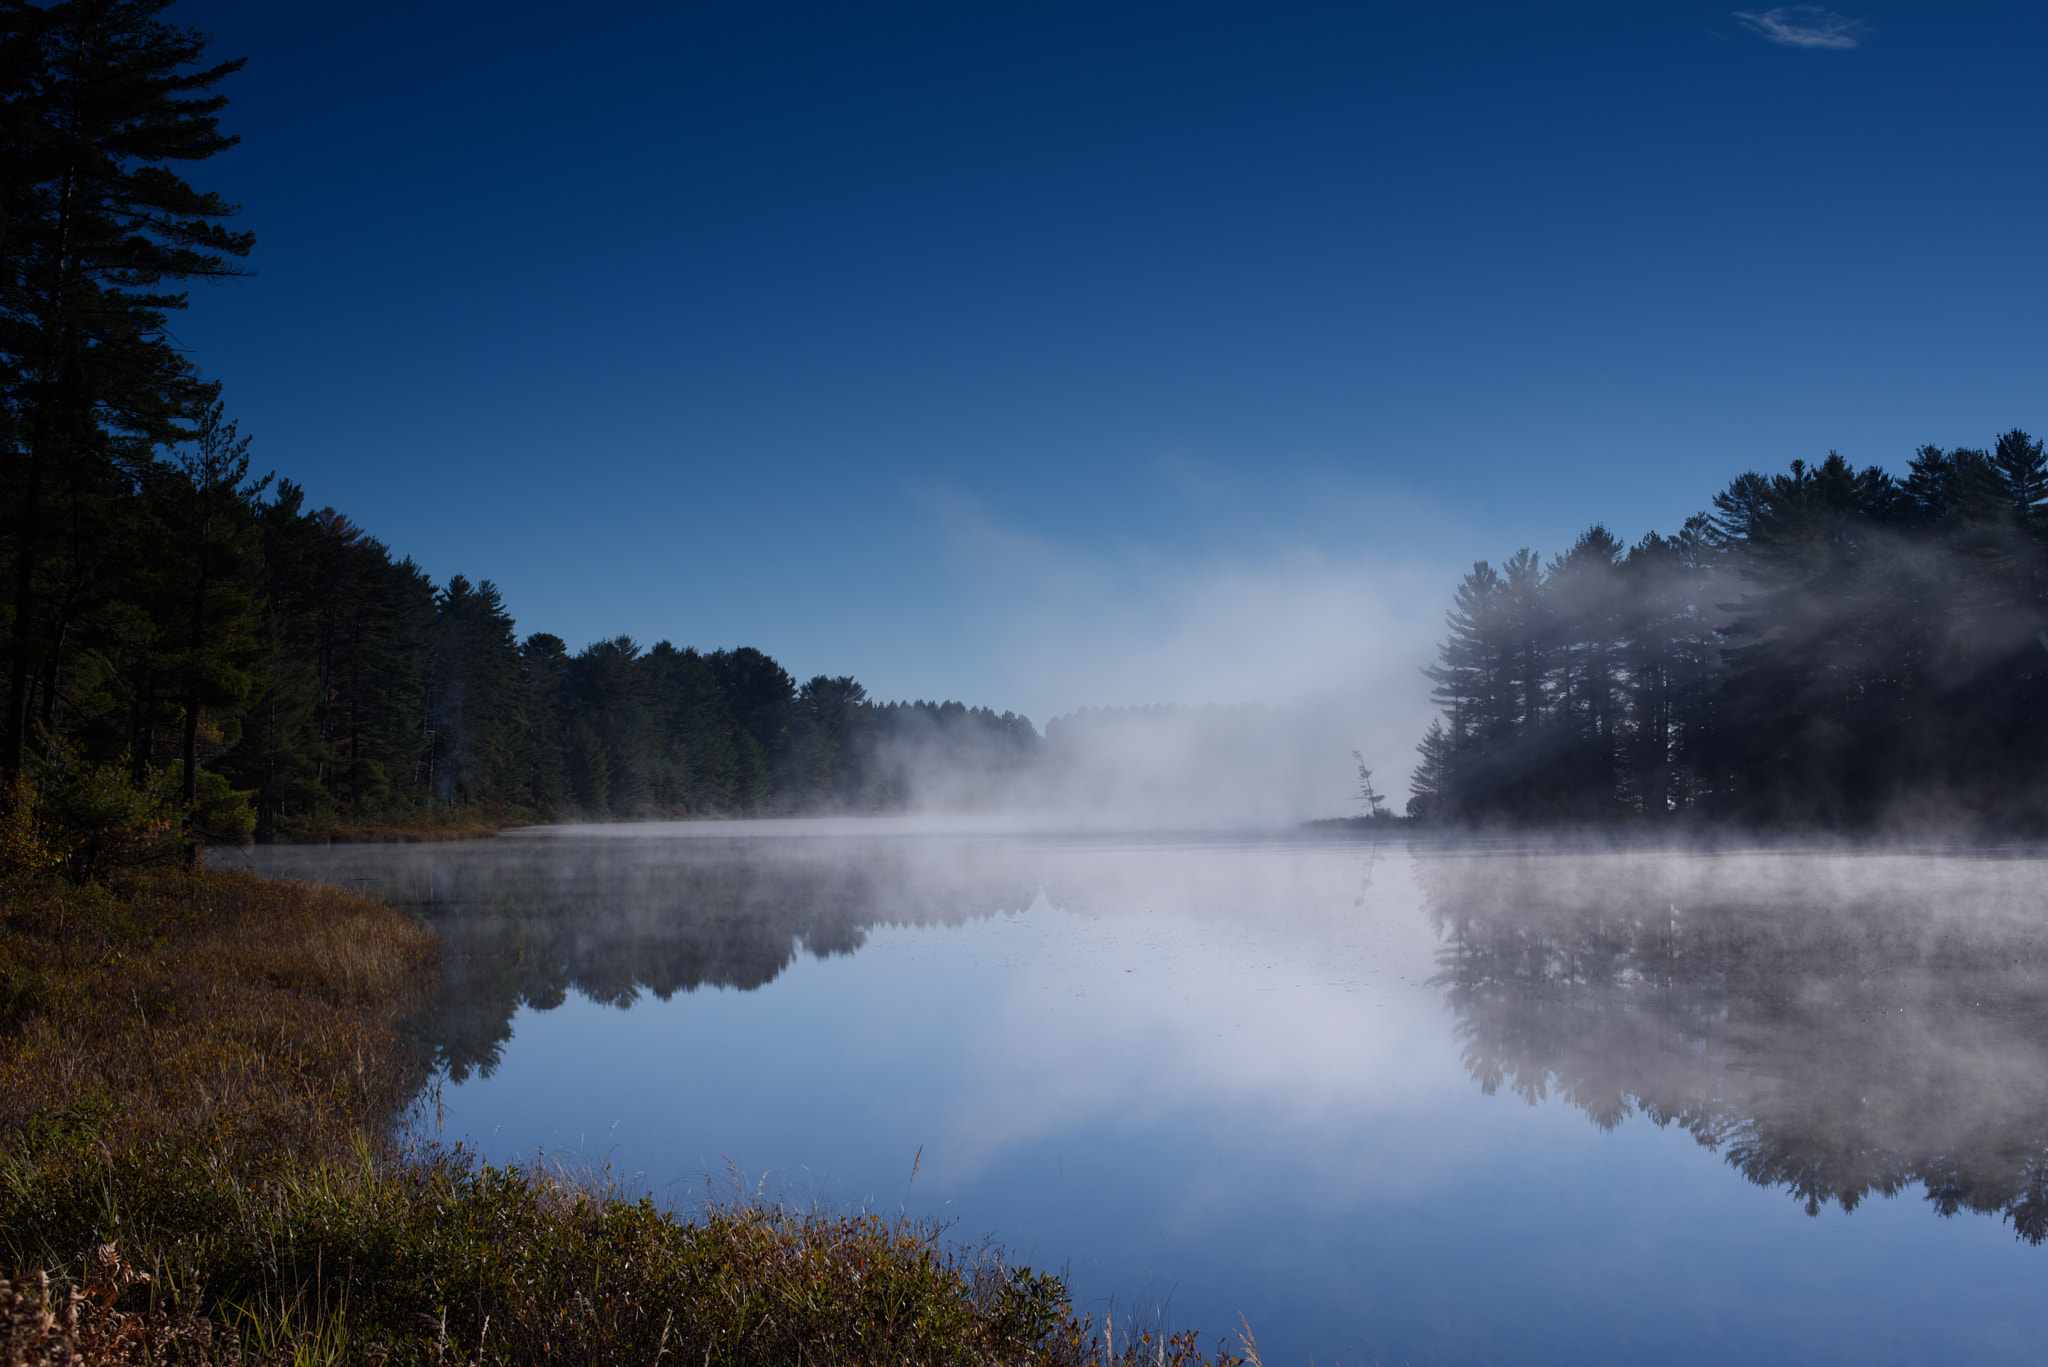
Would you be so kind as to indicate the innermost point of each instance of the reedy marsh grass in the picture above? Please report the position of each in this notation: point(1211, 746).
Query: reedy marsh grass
point(199, 1074)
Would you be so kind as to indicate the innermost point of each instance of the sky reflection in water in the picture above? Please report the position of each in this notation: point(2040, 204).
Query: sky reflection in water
point(1442, 1105)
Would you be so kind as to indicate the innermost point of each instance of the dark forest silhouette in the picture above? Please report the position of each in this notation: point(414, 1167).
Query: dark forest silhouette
point(1830, 646)
point(357, 688)
point(183, 640)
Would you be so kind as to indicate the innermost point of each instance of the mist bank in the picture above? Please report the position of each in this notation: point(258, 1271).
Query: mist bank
point(1829, 648)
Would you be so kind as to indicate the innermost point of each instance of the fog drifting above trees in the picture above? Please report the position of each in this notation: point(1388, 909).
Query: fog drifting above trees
point(1830, 647)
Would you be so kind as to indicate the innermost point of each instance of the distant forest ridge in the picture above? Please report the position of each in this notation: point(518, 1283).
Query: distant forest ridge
point(1829, 647)
point(372, 693)
point(394, 693)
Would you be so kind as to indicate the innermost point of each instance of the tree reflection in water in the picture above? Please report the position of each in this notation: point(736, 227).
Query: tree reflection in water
point(1836, 1023)
point(523, 923)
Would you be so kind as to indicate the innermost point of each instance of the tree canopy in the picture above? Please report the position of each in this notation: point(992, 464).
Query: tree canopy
point(1828, 646)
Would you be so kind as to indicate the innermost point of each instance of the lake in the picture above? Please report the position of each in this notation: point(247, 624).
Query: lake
point(1390, 1102)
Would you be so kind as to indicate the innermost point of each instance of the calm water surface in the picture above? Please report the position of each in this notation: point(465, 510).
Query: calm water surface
point(1391, 1104)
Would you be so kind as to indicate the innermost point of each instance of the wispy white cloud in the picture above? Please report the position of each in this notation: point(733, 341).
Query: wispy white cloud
point(1804, 26)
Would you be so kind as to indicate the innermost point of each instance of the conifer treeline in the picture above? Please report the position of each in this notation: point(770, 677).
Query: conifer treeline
point(347, 686)
point(1830, 646)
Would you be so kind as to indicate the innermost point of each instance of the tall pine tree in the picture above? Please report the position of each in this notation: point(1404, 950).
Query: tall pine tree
point(102, 100)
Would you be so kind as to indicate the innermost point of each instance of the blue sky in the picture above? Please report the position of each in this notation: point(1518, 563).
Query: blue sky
point(1046, 355)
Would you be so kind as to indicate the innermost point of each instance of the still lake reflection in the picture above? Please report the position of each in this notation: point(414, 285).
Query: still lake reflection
point(1392, 1103)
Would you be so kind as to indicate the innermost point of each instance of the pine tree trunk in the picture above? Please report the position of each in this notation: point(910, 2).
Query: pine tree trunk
point(190, 787)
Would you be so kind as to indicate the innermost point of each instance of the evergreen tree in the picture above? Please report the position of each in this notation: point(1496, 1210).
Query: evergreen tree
point(700, 755)
point(1668, 652)
point(103, 98)
point(1828, 646)
point(210, 572)
point(278, 757)
point(480, 708)
point(831, 741)
point(761, 697)
point(612, 738)
point(2023, 473)
point(543, 667)
point(374, 621)
point(1587, 590)
point(1429, 786)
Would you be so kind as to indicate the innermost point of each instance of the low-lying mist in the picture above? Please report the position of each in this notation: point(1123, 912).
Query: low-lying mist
point(1247, 766)
point(1838, 1023)
point(1194, 693)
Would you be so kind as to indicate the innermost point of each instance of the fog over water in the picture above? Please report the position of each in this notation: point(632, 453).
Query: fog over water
point(1214, 767)
point(1397, 1101)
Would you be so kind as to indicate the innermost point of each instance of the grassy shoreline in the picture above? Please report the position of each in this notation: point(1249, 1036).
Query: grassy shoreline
point(199, 1078)
point(445, 823)
point(397, 833)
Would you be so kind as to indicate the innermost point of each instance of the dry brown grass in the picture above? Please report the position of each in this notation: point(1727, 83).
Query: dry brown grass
point(234, 1014)
point(42, 1325)
point(411, 826)
point(391, 832)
